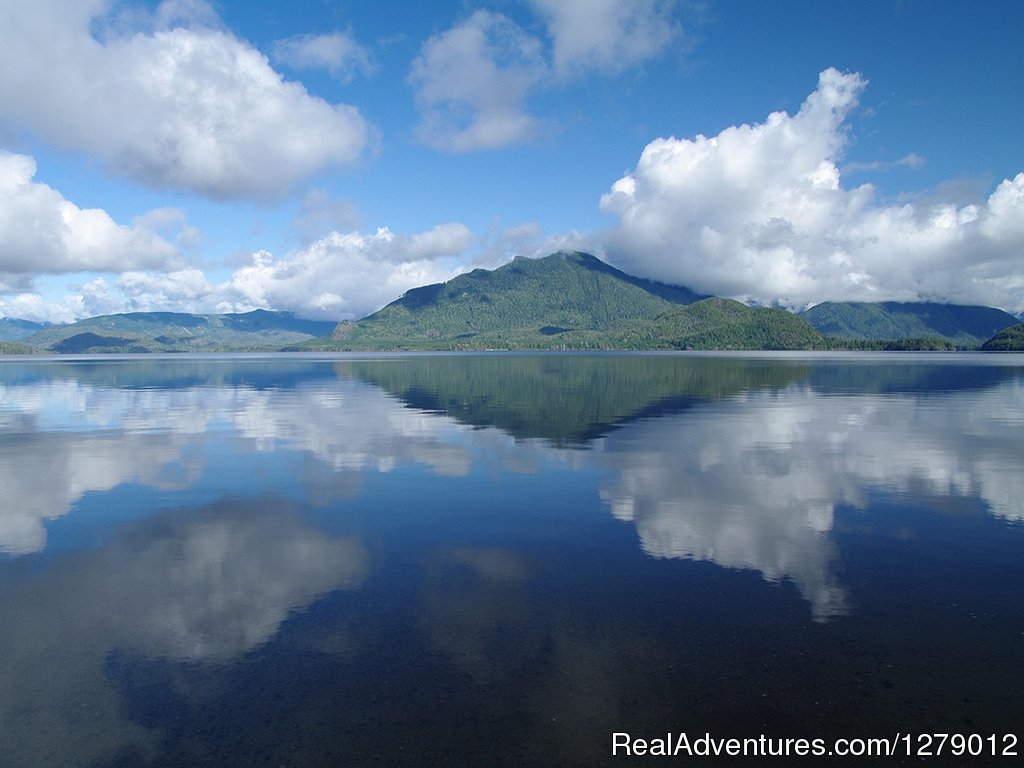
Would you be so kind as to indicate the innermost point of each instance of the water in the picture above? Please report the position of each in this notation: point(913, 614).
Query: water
point(505, 559)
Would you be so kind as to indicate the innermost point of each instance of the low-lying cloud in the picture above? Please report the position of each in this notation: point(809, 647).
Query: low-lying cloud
point(346, 275)
point(759, 212)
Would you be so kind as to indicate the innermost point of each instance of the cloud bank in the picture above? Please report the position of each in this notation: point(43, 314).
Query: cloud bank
point(346, 275)
point(759, 213)
point(42, 232)
point(342, 275)
point(170, 102)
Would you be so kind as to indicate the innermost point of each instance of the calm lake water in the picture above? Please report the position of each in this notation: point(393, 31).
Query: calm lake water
point(505, 559)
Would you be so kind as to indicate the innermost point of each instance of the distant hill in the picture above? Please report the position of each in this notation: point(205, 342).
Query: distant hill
point(527, 304)
point(15, 348)
point(967, 326)
point(179, 332)
point(13, 329)
point(1007, 340)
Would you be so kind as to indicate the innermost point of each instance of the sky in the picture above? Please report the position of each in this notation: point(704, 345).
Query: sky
point(324, 157)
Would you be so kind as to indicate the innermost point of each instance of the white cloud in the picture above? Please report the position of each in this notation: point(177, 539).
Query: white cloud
point(41, 232)
point(184, 290)
point(472, 82)
point(759, 212)
point(339, 53)
point(346, 275)
point(912, 160)
point(340, 275)
point(176, 107)
point(606, 35)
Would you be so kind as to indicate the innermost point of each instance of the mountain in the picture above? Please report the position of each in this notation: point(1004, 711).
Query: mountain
point(718, 323)
point(567, 297)
point(1007, 340)
point(568, 400)
point(259, 330)
point(567, 300)
point(13, 329)
point(967, 326)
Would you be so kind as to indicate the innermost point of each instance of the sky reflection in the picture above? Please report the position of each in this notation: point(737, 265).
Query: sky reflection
point(750, 480)
point(374, 524)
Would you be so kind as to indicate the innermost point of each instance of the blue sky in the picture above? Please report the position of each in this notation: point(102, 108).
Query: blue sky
point(324, 157)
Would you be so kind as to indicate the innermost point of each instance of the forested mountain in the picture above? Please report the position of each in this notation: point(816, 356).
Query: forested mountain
point(178, 332)
point(1007, 340)
point(891, 320)
point(527, 303)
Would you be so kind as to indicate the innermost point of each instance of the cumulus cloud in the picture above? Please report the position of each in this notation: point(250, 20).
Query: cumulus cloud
point(346, 275)
point(178, 104)
point(606, 35)
point(338, 276)
point(339, 53)
point(472, 82)
point(42, 232)
point(759, 212)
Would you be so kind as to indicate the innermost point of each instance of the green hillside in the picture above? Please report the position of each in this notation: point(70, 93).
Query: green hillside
point(566, 299)
point(178, 332)
point(718, 323)
point(967, 326)
point(1007, 340)
point(14, 348)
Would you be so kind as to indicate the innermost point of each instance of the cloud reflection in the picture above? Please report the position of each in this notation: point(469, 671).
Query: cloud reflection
point(749, 481)
point(753, 482)
point(201, 586)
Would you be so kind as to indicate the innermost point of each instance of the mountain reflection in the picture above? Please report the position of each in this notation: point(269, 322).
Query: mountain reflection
point(568, 400)
point(742, 462)
point(203, 585)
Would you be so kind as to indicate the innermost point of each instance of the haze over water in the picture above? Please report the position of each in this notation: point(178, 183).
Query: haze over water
point(503, 559)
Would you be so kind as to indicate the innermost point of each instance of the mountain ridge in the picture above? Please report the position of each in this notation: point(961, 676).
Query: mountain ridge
point(567, 300)
point(258, 330)
point(960, 324)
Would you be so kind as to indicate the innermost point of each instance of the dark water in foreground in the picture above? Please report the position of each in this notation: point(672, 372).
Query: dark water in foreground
point(505, 559)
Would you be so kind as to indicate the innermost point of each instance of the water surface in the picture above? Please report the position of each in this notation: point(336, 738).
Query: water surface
point(503, 559)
